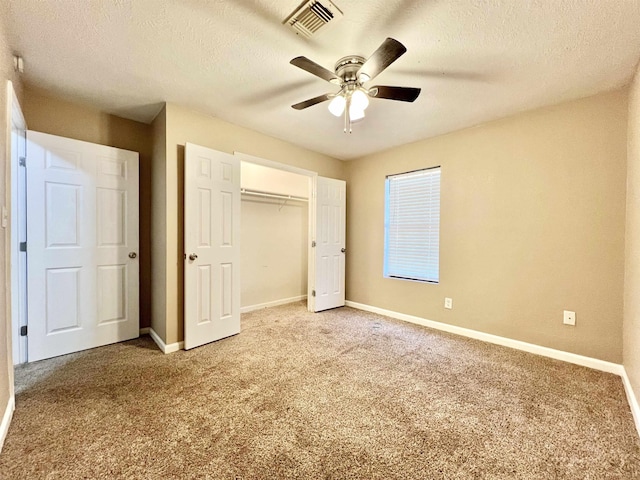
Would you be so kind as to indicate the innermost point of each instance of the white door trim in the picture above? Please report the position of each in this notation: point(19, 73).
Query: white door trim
point(16, 195)
point(273, 164)
point(16, 346)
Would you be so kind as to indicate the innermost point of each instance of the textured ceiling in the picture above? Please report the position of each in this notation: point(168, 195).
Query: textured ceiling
point(474, 60)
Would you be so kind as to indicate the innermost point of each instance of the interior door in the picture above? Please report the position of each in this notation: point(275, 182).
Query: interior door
point(82, 243)
point(212, 245)
point(330, 218)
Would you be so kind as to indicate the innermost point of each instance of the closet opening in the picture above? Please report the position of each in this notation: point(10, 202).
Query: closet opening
point(276, 232)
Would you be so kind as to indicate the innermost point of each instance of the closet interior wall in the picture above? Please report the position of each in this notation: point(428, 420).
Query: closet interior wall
point(274, 233)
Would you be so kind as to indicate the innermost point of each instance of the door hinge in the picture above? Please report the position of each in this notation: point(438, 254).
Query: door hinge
point(23, 246)
point(313, 293)
point(22, 161)
point(313, 244)
point(23, 331)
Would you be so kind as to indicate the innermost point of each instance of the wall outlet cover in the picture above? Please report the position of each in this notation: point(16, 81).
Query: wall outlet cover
point(569, 317)
point(448, 303)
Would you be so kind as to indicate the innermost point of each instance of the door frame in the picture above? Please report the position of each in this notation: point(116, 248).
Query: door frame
point(312, 176)
point(14, 275)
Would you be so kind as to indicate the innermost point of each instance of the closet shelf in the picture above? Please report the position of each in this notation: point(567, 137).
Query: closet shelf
point(258, 193)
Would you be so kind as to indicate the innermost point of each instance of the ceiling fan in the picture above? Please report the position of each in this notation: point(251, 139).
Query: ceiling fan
point(351, 73)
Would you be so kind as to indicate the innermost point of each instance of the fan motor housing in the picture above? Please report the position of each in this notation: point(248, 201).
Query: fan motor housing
point(347, 68)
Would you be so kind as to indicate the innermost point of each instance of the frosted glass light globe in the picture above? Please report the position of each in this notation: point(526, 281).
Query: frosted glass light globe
point(359, 100)
point(355, 114)
point(336, 106)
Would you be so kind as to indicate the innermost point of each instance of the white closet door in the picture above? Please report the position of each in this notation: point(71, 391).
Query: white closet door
point(82, 244)
point(212, 245)
point(330, 247)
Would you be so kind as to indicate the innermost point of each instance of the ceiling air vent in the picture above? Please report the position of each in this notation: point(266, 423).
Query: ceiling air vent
point(312, 16)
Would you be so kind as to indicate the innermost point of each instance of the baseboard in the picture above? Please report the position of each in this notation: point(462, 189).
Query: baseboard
point(275, 303)
point(590, 362)
point(633, 400)
point(145, 330)
point(172, 347)
point(6, 420)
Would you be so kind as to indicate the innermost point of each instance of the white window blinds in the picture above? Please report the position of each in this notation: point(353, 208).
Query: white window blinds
point(412, 225)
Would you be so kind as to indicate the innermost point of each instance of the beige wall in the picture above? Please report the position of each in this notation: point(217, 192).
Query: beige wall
point(273, 250)
point(6, 359)
point(48, 114)
point(184, 125)
point(274, 236)
point(159, 224)
point(631, 332)
point(267, 179)
point(532, 223)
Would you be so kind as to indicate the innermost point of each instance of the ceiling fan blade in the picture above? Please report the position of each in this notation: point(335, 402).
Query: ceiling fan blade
point(313, 68)
point(312, 101)
point(385, 55)
point(403, 94)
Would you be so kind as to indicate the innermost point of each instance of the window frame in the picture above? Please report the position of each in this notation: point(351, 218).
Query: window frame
point(387, 228)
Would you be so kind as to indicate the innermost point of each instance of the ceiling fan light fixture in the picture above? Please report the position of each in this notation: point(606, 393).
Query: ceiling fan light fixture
point(355, 114)
point(359, 100)
point(351, 72)
point(336, 106)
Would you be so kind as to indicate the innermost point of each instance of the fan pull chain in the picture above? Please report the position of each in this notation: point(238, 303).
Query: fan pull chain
point(347, 117)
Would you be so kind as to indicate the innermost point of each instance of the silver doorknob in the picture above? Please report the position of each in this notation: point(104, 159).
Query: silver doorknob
point(133, 254)
point(193, 256)
point(343, 250)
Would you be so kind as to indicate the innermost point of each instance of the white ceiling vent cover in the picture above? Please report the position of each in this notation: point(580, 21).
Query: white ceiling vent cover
point(312, 16)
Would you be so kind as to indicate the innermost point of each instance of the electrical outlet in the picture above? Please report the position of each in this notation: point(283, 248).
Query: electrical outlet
point(569, 318)
point(448, 303)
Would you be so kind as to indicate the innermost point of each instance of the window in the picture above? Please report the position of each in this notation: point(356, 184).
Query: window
point(412, 225)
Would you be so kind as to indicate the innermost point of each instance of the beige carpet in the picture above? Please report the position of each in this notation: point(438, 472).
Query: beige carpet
point(342, 394)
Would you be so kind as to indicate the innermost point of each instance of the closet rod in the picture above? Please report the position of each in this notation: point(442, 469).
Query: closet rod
point(272, 195)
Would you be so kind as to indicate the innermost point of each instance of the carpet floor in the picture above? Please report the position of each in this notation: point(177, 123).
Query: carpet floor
point(342, 394)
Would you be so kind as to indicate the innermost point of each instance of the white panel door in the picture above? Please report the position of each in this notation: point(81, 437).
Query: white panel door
point(212, 245)
point(330, 247)
point(82, 244)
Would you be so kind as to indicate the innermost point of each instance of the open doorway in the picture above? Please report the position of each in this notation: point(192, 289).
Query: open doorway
point(325, 200)
point(257, 260)
point(277, 233)
point(275, 236)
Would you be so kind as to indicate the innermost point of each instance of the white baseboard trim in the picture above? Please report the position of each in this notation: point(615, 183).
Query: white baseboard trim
point(275, 303)
point(145, 330)
point(172, 347)
point(633, 400)
point(590, 362)
point(6, 420)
